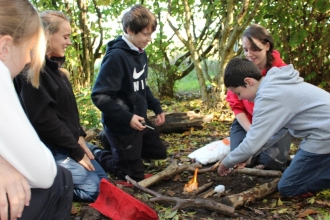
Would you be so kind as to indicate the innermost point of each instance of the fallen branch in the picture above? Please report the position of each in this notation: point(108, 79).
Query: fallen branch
point(172, 169)
point(185, 203)
point(207, 193)
point(258, 172)
point(258, 192)
point(212, 168)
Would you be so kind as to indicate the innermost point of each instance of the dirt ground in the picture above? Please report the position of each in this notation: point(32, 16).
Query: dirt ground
point(173, 187)
point(234, 183)
point(271, 207)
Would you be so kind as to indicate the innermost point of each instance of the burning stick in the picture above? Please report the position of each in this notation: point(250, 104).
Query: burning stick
point(192, 184)
point(200, 189)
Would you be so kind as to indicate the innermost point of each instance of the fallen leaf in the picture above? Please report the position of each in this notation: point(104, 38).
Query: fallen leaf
point(185, 159)
point(257, 211)
point(172, 214)
point(215, 134)
point(170, 192)
point(186, 133)
point(177, 178)
point(279, 202)
point(307, 212)
point(73, 210)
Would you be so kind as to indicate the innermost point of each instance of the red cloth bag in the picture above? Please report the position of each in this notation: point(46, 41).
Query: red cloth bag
point(118, 205)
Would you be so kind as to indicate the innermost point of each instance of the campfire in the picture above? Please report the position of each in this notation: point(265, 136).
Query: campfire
point(192, 184)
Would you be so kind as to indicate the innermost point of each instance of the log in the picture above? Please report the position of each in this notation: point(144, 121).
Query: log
point(185, 203)
point(179, 122)
point(171, 170)
point(240, 199)
point(258, 172)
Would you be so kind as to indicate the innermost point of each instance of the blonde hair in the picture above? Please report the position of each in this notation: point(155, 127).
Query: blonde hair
point(20, 20)
point(52, 21)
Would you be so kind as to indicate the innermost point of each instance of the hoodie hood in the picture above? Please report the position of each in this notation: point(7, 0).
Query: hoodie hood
point(119, 43)
point(282, 76)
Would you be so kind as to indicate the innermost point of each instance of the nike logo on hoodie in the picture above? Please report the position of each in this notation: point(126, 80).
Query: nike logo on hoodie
point(137, 75)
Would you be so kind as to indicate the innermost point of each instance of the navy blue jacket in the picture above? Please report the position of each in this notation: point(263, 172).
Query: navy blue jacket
point(121, 90)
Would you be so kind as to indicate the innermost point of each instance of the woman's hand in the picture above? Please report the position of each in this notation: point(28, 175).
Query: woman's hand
point(86, 162)
point(14, 186)
point(83, 145)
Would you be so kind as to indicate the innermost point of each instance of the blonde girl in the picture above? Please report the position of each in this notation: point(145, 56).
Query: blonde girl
point(31, 186)
point(53, 112)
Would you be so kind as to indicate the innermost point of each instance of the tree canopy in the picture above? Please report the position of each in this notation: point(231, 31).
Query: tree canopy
point(199, 37)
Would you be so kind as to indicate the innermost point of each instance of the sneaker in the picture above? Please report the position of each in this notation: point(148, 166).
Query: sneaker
point(305, 195)
point(127, 184)
point(124, 183)
point(93, 148)
point(147, 175)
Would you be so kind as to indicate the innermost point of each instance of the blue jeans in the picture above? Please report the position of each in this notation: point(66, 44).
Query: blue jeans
point(308, 172)
point(85, 183)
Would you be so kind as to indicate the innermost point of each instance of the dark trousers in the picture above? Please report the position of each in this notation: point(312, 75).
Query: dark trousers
point(274, 153)
point(127, 152)
point(53, 203)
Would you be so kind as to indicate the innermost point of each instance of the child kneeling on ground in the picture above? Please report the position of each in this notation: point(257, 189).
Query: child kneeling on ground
point(283, 100)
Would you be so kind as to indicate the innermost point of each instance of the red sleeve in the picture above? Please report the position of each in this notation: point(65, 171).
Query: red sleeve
point(239, 106)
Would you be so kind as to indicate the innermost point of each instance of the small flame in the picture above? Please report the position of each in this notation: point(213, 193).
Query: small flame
point(192, 184)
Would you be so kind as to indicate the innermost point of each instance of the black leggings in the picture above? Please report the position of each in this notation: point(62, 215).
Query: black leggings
point(127, 152)
point(53, 203)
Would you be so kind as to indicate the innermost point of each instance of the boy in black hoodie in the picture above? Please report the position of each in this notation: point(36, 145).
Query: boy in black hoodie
point(122, 94)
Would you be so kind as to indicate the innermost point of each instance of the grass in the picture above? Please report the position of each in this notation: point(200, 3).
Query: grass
point(189, 83)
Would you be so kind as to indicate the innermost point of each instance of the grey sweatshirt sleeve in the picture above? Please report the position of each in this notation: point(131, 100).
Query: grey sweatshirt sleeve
point(269, 117)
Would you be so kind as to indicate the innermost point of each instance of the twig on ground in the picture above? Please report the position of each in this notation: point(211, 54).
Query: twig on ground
point(258, 172)
point(199, 189)
point(186, 203)
point(171, 170)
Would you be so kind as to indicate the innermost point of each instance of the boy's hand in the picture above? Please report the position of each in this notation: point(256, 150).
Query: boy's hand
point(85, 162)
point(136, 123)
point(223, 171)
point(14, 186)
point(160, 119)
